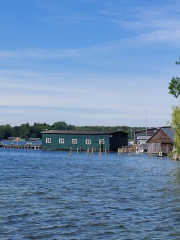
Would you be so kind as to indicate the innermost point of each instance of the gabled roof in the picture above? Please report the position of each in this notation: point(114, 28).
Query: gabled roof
point(80, 132)
point(168, 130)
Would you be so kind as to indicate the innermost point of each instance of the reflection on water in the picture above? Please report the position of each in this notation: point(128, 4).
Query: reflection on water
point(177, 175)
point(51, 195)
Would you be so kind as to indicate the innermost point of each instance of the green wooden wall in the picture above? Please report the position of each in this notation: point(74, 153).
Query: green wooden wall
point(81, 142)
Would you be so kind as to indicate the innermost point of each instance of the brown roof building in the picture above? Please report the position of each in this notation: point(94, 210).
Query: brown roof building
point(162, 141)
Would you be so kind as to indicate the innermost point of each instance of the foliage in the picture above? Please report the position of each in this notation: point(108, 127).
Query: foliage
point(178, 62)
point(174, 85)
point(26, 131)
point(16, 131)
point(175, 123)
point(170, 155)
point(2, 132)
point(59, 126)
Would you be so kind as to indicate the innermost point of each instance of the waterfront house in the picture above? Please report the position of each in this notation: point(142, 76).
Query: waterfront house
point(162, 141)
point(141, 136)
point(83, 140)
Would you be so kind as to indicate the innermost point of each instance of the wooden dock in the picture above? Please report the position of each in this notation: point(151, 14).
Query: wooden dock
point(27, 146)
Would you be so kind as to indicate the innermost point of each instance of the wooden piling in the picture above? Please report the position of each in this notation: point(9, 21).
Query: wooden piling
point(88, 152)
point(118, 152)
point(70, 152)
point(100, 152)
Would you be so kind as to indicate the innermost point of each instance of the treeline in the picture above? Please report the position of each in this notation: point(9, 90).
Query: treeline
point(26, 131)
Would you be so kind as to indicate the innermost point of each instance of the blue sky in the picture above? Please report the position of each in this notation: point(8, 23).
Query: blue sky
point(88, 62)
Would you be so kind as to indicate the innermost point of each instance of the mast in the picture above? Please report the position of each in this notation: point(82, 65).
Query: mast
point(146, 123)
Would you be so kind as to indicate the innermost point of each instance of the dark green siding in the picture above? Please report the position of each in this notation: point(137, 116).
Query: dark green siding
point(118, 140)
point(81, 144)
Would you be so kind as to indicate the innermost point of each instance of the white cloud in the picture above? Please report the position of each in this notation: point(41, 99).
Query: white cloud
point(163, 36)
point(88, 97)
point(39, 53)
point(148, 22)
point(52, 53)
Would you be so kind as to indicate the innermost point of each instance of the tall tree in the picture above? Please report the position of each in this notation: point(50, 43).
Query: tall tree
point(16, 131)
point(59, 126)
point(2, 132)
point(175, 123)
point(25, 131)
point(8, 131)
point(174, 85)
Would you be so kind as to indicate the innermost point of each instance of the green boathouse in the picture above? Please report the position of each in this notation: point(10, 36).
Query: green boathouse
point(83, 140)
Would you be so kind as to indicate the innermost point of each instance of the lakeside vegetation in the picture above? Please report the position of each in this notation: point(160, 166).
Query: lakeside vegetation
point(27, 131)
point(174, 89)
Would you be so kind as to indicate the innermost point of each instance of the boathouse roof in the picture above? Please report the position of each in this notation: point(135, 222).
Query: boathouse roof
point(80, 132)
point(170, 132)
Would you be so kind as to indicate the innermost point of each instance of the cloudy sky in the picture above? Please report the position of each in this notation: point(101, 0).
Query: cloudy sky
point(88, 62)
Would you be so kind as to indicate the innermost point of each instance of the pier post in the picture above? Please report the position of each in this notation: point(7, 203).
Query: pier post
point(70, 152)
point(100, 152)
point(118, 152)
point(88, 152)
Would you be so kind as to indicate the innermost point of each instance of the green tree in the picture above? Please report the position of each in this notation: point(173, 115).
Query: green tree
point(42, 126)
point(59, 126)
point(16, 131)
point(34, 135)
point(71, 127)
point(2, 133)
point(174, 85)
point(36, 130)
point(175, 123)
point(178, 62)
point(8, 131)
point(25, 131)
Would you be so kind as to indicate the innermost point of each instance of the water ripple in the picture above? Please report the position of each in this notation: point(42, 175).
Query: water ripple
point(51, 195)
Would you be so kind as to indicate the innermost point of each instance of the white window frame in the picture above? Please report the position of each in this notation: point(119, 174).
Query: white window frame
point(88, 141)
point(101, 141)
point(74, 141)
point(48, 140)
point(61, 140)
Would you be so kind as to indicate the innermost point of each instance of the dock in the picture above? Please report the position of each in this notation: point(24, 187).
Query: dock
point(27, 146)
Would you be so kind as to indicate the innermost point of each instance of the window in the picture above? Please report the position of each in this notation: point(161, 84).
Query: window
point(88, 141)
point(74, 141)
point(61, 140)
point(101, 141)
point(48, 140)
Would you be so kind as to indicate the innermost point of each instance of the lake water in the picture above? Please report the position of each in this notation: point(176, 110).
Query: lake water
point(51, 195)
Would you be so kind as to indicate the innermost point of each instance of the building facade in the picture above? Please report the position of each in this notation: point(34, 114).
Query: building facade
point(83, 140)
point(142, 136)
point(162, 141)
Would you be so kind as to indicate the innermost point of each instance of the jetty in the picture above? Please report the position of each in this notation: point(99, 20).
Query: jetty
point(26, 146)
